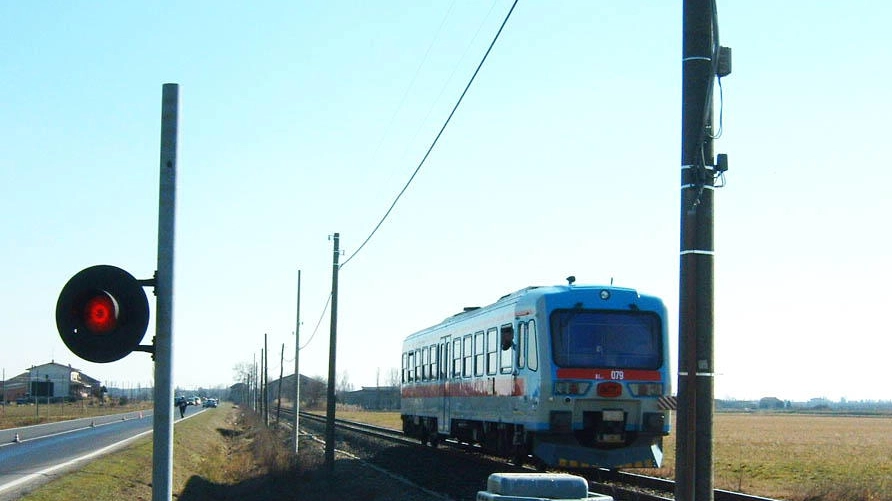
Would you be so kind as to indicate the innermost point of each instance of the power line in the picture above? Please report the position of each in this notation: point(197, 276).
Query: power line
point(437, 138)
point(324, 309)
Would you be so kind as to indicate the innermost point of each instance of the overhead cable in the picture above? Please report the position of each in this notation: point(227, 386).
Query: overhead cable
point(437, 138)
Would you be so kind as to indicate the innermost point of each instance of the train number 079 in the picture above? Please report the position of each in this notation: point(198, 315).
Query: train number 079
point(617, 374)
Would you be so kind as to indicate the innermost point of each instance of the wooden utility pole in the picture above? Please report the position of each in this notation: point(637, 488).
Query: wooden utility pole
point(700, 67)
point(279, 391)
point(297, 369)
point(265, 393)
point(332, 351)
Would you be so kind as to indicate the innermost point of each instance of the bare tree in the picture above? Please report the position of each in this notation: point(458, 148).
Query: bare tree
point(343, 385)
point(394, 379)
point(313, 392)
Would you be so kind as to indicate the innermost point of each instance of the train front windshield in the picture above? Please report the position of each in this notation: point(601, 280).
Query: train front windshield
point(606, 339)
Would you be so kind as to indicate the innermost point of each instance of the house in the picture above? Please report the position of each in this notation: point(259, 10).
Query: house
point(53, 381)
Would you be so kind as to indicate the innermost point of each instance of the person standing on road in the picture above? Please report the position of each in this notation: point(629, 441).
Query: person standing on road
point(182, 405)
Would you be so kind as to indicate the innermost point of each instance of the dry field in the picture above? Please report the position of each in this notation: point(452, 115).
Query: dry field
point(797, 457)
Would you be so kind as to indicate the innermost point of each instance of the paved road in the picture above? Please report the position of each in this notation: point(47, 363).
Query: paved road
point(46, 451)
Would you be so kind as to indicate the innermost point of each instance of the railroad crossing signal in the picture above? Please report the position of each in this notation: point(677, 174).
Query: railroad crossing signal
point(102, 314)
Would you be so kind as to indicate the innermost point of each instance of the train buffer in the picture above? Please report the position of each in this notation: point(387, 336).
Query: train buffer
point(537, 487)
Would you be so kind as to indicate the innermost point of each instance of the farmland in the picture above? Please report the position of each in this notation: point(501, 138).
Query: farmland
point(800, 456)
point(783, 455)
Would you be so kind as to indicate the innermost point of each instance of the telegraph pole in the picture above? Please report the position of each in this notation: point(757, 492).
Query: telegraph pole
point(265, 393)
point(332, 351)
point(296, 368)
point(279, 390)
point(701, 64)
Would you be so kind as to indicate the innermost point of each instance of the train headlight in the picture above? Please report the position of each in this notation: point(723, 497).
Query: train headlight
point(571, 387)
point(646, 389)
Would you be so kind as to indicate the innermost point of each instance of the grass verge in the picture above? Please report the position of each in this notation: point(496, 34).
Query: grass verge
point(213, 447)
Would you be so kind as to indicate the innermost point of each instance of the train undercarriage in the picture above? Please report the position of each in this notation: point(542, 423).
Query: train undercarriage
point(571, 449)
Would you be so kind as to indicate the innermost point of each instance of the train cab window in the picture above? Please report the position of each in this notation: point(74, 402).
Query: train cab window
point(532, 347)
point(467, 357)
point(595, 338)
point(507, 345)
point(479, 353)
point(492, 351)
point(523, 330)
point(456, 357)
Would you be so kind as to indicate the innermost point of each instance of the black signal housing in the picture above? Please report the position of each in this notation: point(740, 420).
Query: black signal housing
point(102, 314)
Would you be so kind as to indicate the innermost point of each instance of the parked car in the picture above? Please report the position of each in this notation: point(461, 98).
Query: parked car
point(210, 402)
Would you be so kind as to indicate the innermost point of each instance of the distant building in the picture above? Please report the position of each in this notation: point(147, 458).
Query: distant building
point(373, 397)
point(771, 403)
point(53, 381)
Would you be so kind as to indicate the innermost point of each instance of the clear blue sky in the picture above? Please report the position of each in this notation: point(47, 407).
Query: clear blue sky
point(301, 119)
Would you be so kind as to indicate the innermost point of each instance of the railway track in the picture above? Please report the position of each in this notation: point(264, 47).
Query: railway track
point(620, 485)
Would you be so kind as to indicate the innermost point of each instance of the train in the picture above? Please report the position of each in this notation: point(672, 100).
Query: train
point(572, 376)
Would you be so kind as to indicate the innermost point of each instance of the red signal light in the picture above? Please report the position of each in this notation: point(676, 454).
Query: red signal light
point(101, 314)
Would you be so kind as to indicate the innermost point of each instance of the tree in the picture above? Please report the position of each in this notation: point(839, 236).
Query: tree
point(313, 392)
point(343, 385)
point(394, 379)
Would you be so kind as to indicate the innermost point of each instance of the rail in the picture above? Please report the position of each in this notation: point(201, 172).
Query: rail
point(619, 484)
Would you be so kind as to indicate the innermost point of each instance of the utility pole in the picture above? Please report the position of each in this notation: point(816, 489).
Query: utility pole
point(702, 61)
point(265, 393)
point(260, 387)
point(279, 390)
point(332, 351)
point(162, 418)
point(297, 369)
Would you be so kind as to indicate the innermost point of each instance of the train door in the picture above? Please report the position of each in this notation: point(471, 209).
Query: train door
point(445, 371)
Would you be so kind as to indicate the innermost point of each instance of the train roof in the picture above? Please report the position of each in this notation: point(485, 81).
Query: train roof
point(527, 293)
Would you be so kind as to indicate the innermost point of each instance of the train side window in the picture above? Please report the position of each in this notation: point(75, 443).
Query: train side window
point(456, 357)
point(425, 363)
point(479, 353)
point(443, 360)
point(410, 366)
point(417, 365)
point(507, 345)
point(467, 357)
point(522, 331)
point(403, 375)
point(533, 348)
point(492, 351)
point(434, 370)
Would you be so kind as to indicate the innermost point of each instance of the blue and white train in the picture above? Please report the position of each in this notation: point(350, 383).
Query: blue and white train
point(568, 375)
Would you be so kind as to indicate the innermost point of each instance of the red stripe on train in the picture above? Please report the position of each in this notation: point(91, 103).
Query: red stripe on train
point(473, 388)
point(609, 374)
